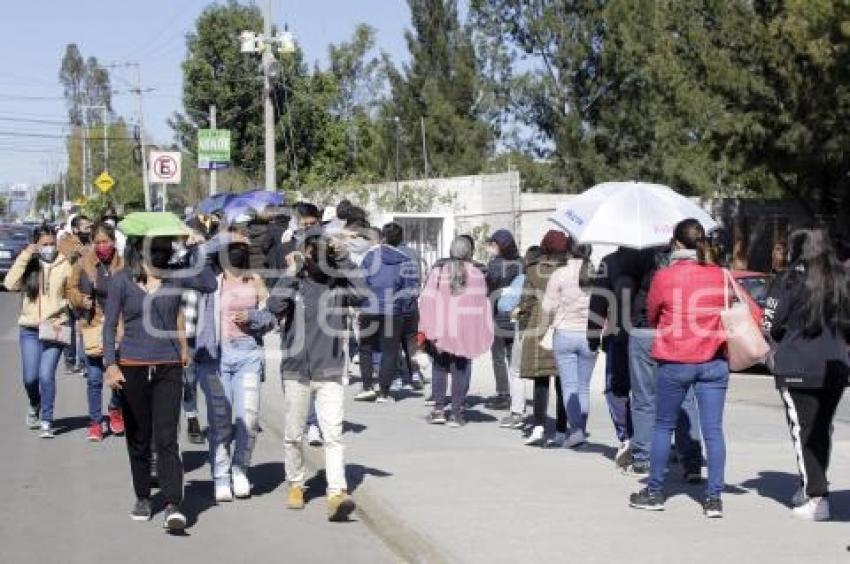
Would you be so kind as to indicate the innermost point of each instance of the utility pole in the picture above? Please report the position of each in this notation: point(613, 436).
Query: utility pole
point(268, 108)
point(83, 160)
point(213, 187)
point(145, 184)
point(424, 150)
point(264, 43)
point(396, 120)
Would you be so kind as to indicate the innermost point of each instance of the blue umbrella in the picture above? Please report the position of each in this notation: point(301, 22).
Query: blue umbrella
point(255, 200)
point(215, 204)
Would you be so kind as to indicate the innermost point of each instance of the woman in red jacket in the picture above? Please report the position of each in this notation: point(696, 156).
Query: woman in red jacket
point(684, 305)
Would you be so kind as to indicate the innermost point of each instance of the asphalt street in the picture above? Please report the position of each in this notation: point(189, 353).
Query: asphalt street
point(67, 500)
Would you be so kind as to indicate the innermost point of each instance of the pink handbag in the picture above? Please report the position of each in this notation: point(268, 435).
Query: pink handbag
point(745, 343)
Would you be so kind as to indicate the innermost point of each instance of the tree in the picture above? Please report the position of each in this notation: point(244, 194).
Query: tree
point(72, 75)
point(441, 86)
point(216, 72)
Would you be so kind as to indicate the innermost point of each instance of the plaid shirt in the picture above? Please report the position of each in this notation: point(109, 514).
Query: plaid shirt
point(189, 305)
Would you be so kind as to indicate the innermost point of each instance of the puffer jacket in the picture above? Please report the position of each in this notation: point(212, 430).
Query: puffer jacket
point(50, 302)
point(536, 362)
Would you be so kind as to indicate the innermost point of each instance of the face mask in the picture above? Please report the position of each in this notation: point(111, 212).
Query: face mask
point(84, 238)
point(239, 256)
point(47, 253)
point(104, 252)
point(110, 222)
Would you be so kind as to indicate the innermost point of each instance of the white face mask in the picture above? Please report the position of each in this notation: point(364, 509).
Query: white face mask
point(47, 253)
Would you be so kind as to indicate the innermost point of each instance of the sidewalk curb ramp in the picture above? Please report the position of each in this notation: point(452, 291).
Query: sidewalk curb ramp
point(380, 516)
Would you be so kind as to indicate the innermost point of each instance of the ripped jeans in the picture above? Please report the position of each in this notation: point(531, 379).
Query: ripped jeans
point(232, 390)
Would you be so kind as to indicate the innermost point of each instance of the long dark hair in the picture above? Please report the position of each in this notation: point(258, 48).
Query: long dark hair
point(32, 272)
point(826, 280)
point(582, 252)
point(691, 234)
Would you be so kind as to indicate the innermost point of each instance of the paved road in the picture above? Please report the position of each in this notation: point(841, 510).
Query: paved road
point(67, 500)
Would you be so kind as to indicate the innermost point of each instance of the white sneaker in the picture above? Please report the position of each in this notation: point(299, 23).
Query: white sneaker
point(536, 437)
point(32, 418)
point(815, 509)
point(576, 439)
point(223, 493)
point(314, 436)
point(46, 430)
point(241, 484)
point(396, 385)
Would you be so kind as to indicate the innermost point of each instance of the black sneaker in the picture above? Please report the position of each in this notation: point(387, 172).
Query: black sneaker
point(639, 468)
point(141, 511)
point(713, 508)
point(193, 431)
point(174, 520)
point(498, 403)
point(646, 499)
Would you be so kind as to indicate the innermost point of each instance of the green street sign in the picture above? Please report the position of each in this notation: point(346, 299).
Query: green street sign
point(213, 148)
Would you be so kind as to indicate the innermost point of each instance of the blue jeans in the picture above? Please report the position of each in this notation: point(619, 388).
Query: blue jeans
point(94, 389)
point(232, 389)
point(709, 381)
point(39, 360)
point(642, 368)
point(575, 363)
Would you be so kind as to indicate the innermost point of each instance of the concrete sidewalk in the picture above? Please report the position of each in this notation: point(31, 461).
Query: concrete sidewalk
point(477, 494)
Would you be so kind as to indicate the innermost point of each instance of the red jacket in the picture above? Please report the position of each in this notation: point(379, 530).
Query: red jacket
point(684, 305)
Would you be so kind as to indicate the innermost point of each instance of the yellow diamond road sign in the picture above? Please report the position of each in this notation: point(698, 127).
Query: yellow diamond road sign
point(104, 182)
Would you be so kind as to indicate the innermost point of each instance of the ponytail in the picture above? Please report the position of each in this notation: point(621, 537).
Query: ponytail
point(691, 234)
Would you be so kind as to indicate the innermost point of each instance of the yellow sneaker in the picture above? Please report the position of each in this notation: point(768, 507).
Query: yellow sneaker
point(340, 506)
point(295, 499)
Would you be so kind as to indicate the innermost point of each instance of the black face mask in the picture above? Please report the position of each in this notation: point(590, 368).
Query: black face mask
point(161, 253)
point(85, 238)
point(239, 256)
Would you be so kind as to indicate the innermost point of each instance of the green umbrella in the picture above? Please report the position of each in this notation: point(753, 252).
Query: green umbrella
point(153, 224)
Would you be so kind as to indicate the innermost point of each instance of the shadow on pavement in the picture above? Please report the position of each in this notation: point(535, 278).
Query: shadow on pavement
point(351, 427)
point(266, 477)
point(474, 416)
point(198, 498)
point(194, 459)
point(781, 486)
point(354, 475)
point(70, 424)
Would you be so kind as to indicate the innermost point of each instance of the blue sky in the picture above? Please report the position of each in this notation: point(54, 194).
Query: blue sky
point(33, 35)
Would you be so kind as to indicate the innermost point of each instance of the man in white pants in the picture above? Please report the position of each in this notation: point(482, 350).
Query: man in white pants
point(317, 286)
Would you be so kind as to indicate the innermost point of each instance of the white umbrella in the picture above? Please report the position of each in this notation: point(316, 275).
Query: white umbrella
point(628, 214)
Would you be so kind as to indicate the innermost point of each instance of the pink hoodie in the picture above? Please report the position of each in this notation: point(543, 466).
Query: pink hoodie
point(463, 324)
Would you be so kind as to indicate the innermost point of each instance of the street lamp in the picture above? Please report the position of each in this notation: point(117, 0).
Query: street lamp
point(264, 43)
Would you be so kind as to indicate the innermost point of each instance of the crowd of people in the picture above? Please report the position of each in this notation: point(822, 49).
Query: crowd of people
point(155, 308)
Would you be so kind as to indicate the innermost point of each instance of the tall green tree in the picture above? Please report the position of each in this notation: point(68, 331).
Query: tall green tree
point(215, 72)
point(440, 85)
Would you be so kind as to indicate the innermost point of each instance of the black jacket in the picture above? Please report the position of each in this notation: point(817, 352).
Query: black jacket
point(802, 359)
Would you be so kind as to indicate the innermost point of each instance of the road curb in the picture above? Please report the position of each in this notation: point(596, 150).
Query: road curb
point(378, 514)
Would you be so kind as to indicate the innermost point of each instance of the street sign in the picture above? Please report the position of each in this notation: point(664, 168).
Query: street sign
point(213, 148)
point(104, 182)
point(165, 167)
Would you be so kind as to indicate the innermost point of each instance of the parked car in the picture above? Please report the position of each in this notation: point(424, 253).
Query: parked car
point(13, 239)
